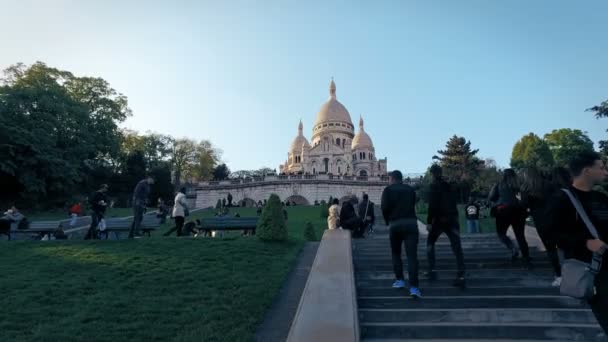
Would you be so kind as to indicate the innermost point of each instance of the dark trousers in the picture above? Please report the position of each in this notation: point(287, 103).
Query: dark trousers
point(5, 227)
point(179, 224)
point(138, 216)
point(405, 231)
point(451, 228)
point(599, 303)
point(92, 232)
point(516, 218)
point(551, 247)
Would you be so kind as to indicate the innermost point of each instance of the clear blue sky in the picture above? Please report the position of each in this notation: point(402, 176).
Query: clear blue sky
point(242, 73)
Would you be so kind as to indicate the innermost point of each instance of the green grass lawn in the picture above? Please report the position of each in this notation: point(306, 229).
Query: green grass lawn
point(157, 289)
point(487, 224)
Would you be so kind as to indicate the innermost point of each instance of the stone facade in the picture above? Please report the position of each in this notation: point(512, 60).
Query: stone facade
point(335, 148)
point(304, 190)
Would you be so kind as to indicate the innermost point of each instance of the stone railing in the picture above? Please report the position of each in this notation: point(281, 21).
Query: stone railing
point(282, 178)
point(328, 307)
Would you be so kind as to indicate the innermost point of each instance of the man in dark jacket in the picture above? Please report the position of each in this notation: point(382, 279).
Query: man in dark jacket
point(399, 212)
point(140, 199)
point(573, 236)
point(366, 214)
point(99, 203)
point(443, 218)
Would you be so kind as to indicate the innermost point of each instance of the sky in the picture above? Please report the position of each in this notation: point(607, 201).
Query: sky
point(243, 73)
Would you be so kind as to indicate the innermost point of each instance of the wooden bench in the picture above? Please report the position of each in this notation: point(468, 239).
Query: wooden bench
point(81, 221)
point(121, 225)
point(229, 223)
point(40, 227)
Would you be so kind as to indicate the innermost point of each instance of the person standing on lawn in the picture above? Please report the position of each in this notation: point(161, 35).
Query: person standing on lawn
point(471, 211)
point(140, 199)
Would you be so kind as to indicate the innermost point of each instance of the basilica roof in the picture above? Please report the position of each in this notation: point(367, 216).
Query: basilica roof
point(362, 139)
point(332, 110)
point(296, 145)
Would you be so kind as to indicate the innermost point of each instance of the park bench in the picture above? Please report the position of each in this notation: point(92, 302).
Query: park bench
point(121, 225)
point(40, 227)
point(81, 221)
point(229, 223)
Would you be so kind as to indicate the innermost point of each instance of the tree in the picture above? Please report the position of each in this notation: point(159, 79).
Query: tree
point(271, 225)
point(458, 161)
point(309, 232)
point(221, 172)
point(565, 143)
point(601, 111)
point(54, 127)
point(162, 182)
point(182, 158)
point(488, 176)
point(205, 160)
point(531, 151)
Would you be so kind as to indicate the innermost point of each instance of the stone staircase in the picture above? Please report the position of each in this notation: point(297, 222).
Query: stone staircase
point(502, 301)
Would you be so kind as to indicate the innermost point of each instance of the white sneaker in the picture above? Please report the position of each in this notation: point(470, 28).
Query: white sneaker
point(557, 282)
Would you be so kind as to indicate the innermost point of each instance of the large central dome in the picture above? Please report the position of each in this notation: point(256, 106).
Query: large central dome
point(333, 110)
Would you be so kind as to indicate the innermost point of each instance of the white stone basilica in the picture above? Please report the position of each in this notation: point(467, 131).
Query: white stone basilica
point(335, 149)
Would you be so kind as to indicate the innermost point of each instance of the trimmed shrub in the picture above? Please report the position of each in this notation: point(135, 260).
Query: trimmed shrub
point(324, 209)
point(309, 232)
point(271, 226)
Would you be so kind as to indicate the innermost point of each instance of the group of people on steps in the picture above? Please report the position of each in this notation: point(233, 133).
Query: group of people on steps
point(543, 196)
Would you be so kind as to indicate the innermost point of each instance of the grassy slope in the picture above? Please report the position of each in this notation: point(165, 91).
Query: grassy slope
point(159, 289)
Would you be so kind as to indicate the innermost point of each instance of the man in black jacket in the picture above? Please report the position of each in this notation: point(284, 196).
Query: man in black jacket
point(399, 212)
point(366, 214)
point(573, 237)
point(443, 218)
point(99, 203)
point(140, 199)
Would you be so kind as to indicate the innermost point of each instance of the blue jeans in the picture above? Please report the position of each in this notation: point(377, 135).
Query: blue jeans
point(473, 226)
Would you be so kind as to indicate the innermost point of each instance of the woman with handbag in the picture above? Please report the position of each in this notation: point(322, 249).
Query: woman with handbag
point(508, 211)
point(579, 219)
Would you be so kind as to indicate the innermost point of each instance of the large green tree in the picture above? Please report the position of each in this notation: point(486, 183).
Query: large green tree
point(601, 111)
point(54, 127)
point(531, 151)
point(459, 161)
point(565, 143)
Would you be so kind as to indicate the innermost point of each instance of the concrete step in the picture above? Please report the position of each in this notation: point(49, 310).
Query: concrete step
point(388, 291)
point(468, 315)
point(477, 331)
point(450, 265)
point(471, 282)
point(451, 274)
point(468, 302)
point(448, 255)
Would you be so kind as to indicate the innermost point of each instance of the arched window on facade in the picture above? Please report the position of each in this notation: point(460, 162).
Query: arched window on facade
point(362, 173)
point(338, 141)
point(354, 156)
